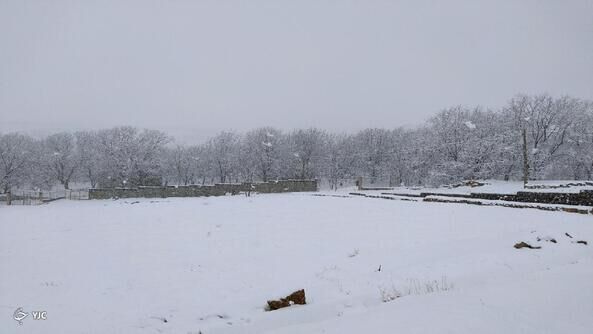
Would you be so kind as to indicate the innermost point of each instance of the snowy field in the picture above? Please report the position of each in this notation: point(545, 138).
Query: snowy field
point(208, 265)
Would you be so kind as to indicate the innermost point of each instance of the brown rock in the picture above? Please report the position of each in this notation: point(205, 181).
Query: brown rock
point(297, 297)
point(276, 304)
point(523, 244)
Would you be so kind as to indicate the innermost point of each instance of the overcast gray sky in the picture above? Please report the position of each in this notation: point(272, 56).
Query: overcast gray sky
point(196, 67)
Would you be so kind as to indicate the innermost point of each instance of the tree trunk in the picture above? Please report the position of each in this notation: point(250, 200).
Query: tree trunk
point(302, 170)
point(525, 161)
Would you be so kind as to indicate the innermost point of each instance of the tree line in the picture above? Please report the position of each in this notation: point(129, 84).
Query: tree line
point(458, 143)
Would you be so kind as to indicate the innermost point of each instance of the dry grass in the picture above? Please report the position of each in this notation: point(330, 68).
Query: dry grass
point(414, 287)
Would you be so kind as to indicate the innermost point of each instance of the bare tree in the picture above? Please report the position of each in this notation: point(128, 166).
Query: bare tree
point(131, 157)
point(341, 159)
point(306, 149)
point(61, 157)
point(88, 153)
point(264, 145)
point(185, 164)
point(579, 154)
point(547, 121)
point(222, 152)
point(375, 147)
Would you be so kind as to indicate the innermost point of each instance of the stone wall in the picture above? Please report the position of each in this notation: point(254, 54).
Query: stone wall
point(219, 189)
point(584, 197)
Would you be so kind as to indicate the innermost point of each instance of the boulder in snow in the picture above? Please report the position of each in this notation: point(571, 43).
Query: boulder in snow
point(297, 297)
point(523, 244)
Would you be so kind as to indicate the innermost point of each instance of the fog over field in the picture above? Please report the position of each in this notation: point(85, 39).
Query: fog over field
point(194, 68)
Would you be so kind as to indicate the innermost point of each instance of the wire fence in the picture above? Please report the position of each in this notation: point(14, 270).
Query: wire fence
point(37, 197)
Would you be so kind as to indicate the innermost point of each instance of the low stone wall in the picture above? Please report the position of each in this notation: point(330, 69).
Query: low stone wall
point(584, 197)
point(219, 189)
point(565, 185)
point(509, 205)
point(446, 195)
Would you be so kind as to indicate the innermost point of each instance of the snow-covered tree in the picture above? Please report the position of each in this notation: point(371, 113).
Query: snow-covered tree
point(222, 153)
point(456, 144)
point(180, 165)
point(88, 153)
point(306, 152)
point(341, 158)
point(546, 121)
point(131, 157)
point(61, 159)
point(17, 154)
point(374, 150)
point(579, 153)
point(263, 147)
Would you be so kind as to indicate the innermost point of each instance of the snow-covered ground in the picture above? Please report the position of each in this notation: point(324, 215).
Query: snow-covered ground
point(209, 264)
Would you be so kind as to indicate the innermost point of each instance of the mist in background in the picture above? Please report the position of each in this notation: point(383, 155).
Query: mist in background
point(193, 68)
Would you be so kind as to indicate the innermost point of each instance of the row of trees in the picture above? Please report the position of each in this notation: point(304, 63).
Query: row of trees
point(457, 143)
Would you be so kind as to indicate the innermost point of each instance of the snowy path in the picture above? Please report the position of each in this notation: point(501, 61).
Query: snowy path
point(209, 265)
